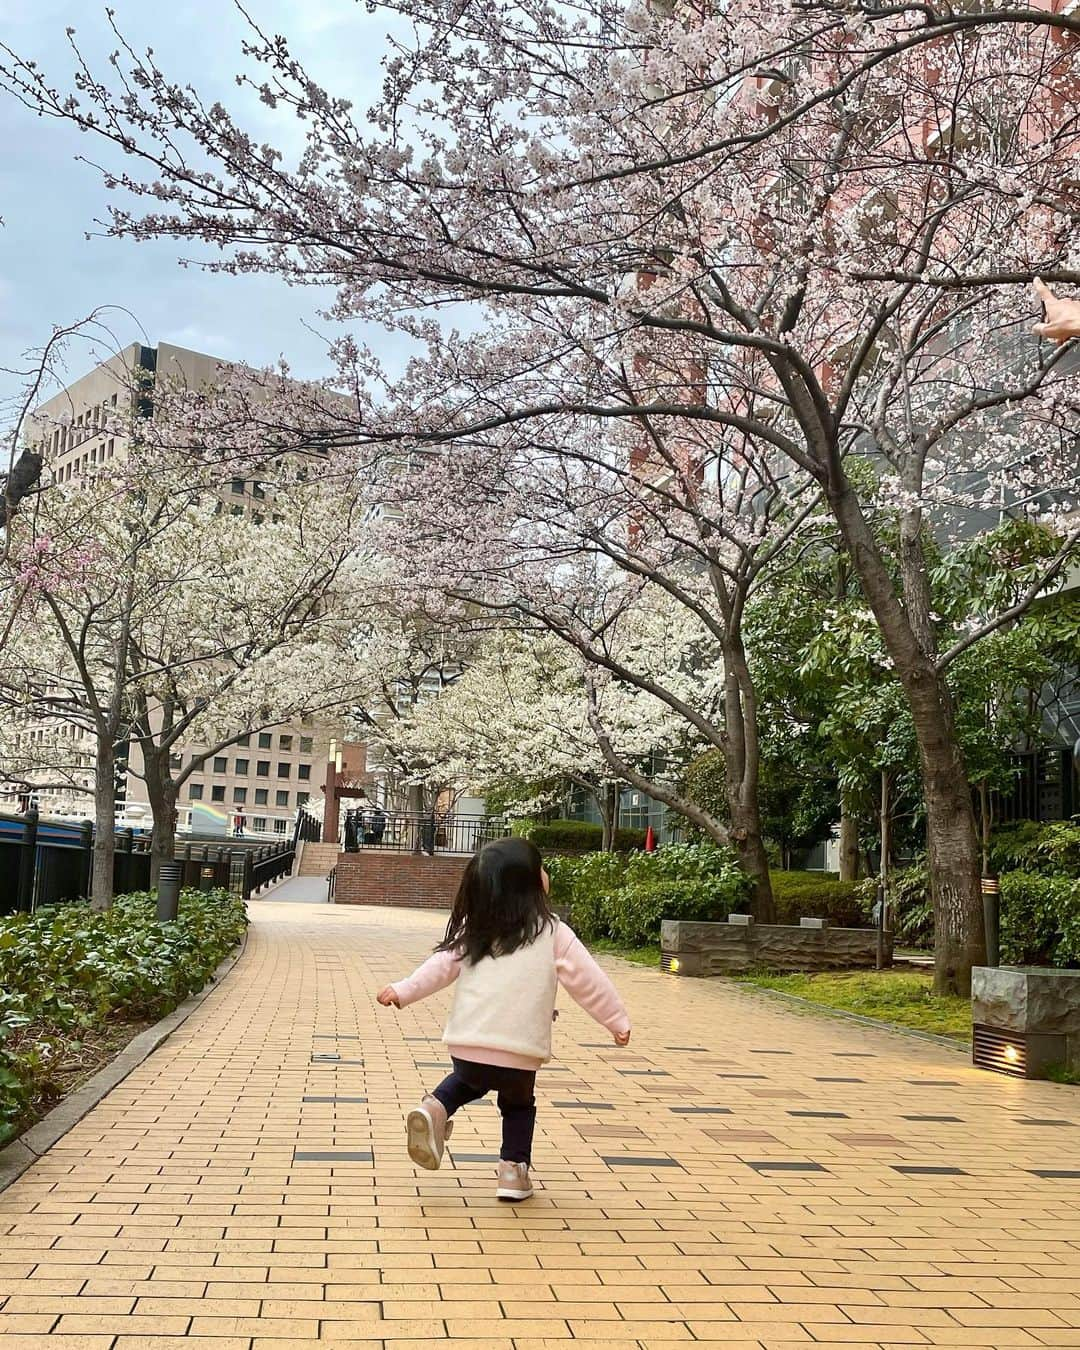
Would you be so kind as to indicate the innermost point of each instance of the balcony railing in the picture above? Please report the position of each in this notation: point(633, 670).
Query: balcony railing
point(406, 833)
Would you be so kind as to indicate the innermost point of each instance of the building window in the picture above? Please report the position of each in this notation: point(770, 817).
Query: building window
point(259, 824)
point(221, 764)
point(281, 827)
point(262, 768)
point(243, 740)
point(265, 740)
point(283, 769)
point(176, 761)
point(303, 771)
point(239, 795)
point(302, 798)
point(306, 745)
point(242, 765)
point(281, 799)
point(284, 742)
point(261, 796)
point(238, 486)
point(194, 792)
point(217, 793)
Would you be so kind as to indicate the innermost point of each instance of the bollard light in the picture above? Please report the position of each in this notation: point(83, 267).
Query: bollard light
point(168, 891)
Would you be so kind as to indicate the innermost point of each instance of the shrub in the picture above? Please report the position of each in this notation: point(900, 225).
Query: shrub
point(626, 898)
point(912, 908)
point(71, 972)
point(683, 862)
point(582, 886)
point(1050, 848)
point(1040, 919)
point(635, 912)
point(682, 881)
point(574, 836)
point(813, 895)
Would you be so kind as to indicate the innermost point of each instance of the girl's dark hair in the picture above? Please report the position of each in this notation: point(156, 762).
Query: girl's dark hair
point(500, 905)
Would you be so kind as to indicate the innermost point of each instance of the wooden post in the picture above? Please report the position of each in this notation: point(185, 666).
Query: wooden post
point(330, 811)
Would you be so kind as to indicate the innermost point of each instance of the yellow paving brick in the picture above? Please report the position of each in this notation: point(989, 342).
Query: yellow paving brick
point(115, 1323)
point(174, 1213)
point(12, 1322)
point(17, 1341)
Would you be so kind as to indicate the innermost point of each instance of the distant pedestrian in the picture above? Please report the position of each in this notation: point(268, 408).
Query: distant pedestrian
point(378, 825)
point(508, 953)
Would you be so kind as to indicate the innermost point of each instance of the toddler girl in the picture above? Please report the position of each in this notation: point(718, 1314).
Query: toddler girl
point(507, 952)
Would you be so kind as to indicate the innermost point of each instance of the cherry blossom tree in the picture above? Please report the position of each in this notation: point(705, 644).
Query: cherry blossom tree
point(159, 617)
point(808, 227)
point(528, 710)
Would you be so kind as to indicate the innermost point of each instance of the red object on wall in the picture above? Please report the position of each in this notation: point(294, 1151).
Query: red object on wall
point(650, 840)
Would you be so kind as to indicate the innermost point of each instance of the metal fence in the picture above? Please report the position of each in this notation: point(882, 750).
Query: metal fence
point(366, 829)
point(308, 827)
point(46, 862)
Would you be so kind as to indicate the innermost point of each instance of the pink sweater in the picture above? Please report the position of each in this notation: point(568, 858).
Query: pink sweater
point(575, 970)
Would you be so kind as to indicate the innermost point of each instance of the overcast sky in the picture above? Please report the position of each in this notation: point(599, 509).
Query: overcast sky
point(51, 273)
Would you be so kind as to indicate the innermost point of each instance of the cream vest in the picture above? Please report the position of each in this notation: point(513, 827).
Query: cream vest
point(507, 1002)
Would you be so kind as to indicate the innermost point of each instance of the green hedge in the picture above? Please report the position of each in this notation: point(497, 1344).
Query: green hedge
point(1040, 915)
point(574, 836)
point(1051, 848)
point(69, 973)
point(626, 898)
point(1040, 919)
point(814, 895)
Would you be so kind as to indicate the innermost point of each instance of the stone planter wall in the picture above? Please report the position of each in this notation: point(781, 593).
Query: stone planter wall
point(739, 946)
point(1032, 1002)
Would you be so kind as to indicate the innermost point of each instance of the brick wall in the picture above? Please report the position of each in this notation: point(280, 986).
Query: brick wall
point(374, 877)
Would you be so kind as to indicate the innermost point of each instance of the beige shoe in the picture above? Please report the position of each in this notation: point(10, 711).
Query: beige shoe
point(514, 1183)
point(427, 1130)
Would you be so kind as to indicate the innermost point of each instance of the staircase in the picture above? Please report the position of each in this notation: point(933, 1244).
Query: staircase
point(316, 860)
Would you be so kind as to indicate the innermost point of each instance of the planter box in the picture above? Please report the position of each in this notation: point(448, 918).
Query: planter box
point(740, 945)
point(1026, 1018)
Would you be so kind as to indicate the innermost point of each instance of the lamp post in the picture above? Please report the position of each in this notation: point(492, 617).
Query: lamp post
point(991, 899)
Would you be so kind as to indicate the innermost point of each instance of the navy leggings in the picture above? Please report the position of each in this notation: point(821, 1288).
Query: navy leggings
point(517, 1101)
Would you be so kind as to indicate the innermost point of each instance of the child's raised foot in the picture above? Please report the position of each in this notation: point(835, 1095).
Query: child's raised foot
point(427, 1130)
point(514, 1183)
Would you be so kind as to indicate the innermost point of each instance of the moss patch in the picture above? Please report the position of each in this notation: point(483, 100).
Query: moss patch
point(904, 998)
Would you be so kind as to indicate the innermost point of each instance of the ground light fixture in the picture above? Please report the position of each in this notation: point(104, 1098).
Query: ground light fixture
point(1025, 1020)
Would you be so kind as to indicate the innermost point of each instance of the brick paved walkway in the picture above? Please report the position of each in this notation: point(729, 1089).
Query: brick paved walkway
point(743, 1176)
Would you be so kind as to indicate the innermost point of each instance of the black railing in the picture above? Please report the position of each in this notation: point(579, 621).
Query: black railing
point(266, 865)
point(45, 862)
point(405, 833)
point(331, 885)
point(308, 828)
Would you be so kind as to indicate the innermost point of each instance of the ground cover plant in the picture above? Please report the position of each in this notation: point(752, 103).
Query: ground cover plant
point(76, 983)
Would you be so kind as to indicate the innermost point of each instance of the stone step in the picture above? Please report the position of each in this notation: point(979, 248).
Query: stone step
point(316, 860)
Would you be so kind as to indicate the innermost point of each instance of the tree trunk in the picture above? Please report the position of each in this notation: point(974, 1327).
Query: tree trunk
point(951, 840)
point(742, 762)
point(607, 801)
point(953, 857)
point(161, 791)
point(885, 830)
point(849, 842)
point(986, 821)
point(101, 875)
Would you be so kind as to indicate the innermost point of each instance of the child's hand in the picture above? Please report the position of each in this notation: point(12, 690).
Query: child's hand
point(388, 998)
point(621, 1037)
